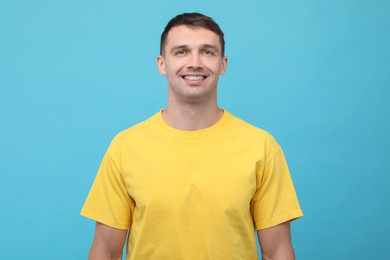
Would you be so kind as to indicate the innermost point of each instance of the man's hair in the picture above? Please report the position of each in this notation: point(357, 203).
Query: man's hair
point(195, 20)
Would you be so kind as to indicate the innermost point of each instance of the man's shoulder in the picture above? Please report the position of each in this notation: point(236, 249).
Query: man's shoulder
point(137, 130)
point(248, 133)
point(242, 125)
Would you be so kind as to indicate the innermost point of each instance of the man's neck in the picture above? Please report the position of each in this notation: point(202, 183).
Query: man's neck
point(192, 117)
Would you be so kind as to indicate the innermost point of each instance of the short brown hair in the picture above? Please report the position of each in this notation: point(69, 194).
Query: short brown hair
point(195, 20)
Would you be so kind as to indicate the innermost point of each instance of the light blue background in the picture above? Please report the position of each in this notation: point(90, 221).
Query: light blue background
point(316, 74)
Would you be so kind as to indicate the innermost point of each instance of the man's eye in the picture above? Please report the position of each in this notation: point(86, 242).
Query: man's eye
point(208, 52)
point(180, 52)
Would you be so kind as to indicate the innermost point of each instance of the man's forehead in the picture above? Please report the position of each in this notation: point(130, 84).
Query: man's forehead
point(187, 35)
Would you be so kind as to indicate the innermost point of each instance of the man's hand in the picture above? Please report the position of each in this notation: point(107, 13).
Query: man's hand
point(108, 243)
point(275, 242)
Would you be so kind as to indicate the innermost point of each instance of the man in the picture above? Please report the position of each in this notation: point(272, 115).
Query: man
point(192, 181)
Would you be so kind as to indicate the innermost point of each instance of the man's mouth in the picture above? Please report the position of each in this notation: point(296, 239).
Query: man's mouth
point(193, 78)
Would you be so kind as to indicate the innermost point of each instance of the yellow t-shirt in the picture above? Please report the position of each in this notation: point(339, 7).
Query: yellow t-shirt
point(192, 194)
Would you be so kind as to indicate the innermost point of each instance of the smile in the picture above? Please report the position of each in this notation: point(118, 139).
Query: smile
point(194, 78)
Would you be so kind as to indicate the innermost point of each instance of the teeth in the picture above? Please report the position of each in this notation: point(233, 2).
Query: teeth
point(194, 77)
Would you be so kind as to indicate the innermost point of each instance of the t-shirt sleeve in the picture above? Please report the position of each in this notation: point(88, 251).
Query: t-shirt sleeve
point(108, 201)
point(275, 200)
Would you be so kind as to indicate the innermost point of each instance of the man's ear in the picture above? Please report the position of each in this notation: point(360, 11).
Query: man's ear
point(224, 65)
point(161, 65)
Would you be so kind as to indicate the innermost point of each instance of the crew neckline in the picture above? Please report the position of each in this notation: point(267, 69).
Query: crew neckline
point(191, 134)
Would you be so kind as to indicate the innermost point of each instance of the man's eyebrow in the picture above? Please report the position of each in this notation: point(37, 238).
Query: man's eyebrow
point(203, 46)
point(178, 47)
point(211, 46)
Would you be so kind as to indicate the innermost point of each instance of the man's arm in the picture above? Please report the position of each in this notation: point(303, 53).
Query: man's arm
point(275, 242)
point(108, 243)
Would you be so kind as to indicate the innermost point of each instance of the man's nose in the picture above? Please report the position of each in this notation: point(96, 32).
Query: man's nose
point(195, 61)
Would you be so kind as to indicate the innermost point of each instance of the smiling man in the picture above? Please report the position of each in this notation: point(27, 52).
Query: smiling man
point(193, 181)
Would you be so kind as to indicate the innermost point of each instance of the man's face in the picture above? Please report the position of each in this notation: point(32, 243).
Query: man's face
point(192, 62)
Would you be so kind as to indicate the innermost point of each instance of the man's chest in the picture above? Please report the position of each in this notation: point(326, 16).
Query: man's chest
point(185, 177)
